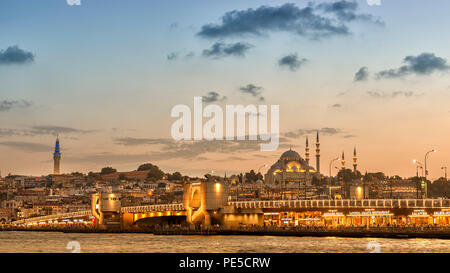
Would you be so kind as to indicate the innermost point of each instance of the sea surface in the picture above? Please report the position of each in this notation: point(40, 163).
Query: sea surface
point(56, 242)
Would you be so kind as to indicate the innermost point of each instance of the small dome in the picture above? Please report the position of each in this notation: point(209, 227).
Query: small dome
point(290, 155)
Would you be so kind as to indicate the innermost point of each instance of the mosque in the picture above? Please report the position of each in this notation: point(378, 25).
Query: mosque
point(291, 169)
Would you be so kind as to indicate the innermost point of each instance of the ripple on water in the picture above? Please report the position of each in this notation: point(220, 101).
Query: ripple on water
point(37, 242)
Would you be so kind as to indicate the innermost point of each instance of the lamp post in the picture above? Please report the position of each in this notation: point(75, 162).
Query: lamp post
point(329, 178)
point(445, 183)
point(426, 171)
point(418, 165)
point(263, 166)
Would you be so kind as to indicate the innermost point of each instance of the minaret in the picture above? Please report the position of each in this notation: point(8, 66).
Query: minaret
point(307, 151)
point(56, 157)
point(343, 160)
point(317, 153)
point(355, 160)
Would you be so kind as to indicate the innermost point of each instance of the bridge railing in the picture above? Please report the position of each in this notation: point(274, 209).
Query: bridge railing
point(346, 203)
point(153, 208)
point(53, 217)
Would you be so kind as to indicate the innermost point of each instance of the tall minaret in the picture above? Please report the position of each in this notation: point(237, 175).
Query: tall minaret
point(307, 151)
point(343, 160)
point(317, 153)
point(355, 160)
point(56, 157)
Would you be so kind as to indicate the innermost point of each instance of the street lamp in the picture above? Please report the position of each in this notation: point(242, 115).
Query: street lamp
point(329, 178)
point(418, 165)
point(426, 171)
point(445, 183)
point(263, 166)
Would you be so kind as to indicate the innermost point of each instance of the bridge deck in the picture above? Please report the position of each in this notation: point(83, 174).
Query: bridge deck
point(366, 203)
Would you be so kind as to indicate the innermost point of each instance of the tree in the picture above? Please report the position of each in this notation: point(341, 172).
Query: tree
point(154, 173)
point(252, 176)
point(146, 167)
point(176, 176)
point(108, 170)
point(122, 176)
point(348, 175)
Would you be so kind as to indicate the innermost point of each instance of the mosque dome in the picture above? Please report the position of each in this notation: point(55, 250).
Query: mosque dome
point(290, 155)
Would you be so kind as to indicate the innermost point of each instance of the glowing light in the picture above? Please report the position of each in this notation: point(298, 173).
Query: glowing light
point(217, 186)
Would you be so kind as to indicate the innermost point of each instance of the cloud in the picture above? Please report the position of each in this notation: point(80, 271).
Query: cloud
point(167, 148)
point(346, 11)
point(423, 64)
point(213, 97)
point(26, 146)
point(15, 55)
point(253, 90)
point(302, 132)
point(219, 50)
point(395, 94)
point(131, 141)
point(7, 105)
point(309, 21)
point(292, 61)
point(362, 74)
point(53, 130)
point(172, 56)
point(337, 105)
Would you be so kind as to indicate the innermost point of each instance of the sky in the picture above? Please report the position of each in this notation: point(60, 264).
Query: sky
point(105, 74)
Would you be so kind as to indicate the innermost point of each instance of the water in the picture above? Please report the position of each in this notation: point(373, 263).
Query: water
point(51, 242)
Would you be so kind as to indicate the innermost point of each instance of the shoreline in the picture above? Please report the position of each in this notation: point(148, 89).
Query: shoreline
point(288, 233)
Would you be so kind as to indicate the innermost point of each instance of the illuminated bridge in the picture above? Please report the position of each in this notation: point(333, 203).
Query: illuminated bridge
point(274, 212)
point(334, 204)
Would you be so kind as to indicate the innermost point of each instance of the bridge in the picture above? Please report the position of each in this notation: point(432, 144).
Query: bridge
point(346, 203)
point(256, 212)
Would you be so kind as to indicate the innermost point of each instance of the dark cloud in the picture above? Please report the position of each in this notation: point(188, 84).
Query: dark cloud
point(213, 97)
point(423, 64)
point(252, 90)
point(169, 149)
point(53, 130)
point(395, 94)
point(26, 146)
point(337, 105)
point(7, 105)
point(346, 11)
point(15, 55)
point(131, 141)
point(42, 130)
point(219, 50)
point(362, 74)
point(172, 56)
point(303, 132)
point(292, 61)
point(309, 21)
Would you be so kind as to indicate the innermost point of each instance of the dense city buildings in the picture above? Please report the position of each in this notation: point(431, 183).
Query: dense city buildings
point(290, 179)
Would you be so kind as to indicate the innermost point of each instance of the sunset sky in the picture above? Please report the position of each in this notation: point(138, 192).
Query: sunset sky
point(106, 74)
